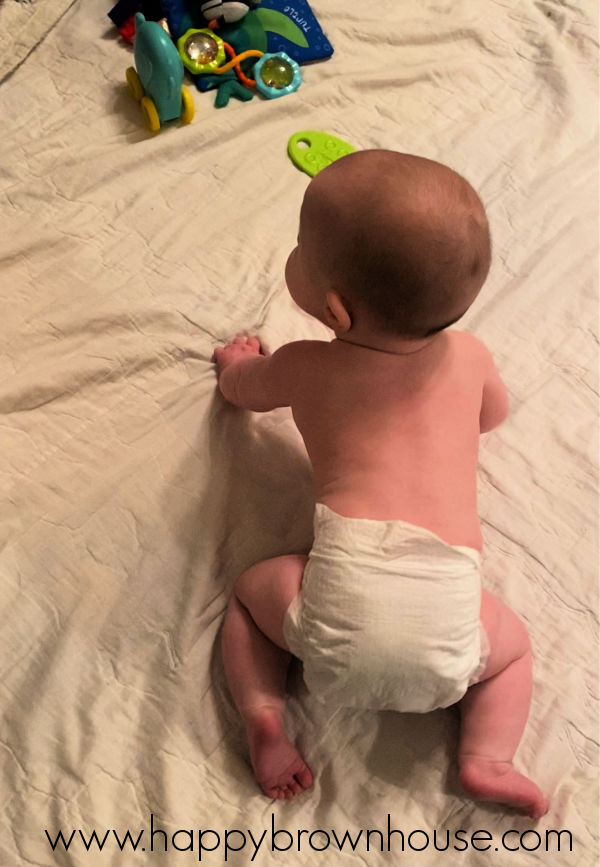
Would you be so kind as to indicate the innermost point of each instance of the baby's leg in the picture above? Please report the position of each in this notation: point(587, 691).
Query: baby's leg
point(256, 659)
point(493, 715)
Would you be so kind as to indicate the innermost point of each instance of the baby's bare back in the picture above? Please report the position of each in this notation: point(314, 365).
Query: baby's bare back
point(395, 436)
point(390, 436)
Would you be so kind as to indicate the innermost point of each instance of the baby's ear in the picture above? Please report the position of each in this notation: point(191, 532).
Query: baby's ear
point(337, 314)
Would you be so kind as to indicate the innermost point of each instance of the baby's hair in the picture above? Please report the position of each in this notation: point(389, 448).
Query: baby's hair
point(404, 238)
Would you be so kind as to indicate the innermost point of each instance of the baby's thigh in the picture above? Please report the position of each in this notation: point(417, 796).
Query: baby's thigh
point(267, 590)
point(507, 634)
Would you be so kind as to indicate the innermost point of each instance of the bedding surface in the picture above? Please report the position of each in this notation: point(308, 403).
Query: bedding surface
point(133, 495)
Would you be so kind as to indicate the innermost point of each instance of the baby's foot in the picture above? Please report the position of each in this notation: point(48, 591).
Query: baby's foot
point(486, 780)
point(279, 768)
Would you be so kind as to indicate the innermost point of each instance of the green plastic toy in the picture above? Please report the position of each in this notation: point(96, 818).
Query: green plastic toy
point(312, 151)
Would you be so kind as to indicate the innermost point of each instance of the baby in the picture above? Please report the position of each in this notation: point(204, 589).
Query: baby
point(387, 610)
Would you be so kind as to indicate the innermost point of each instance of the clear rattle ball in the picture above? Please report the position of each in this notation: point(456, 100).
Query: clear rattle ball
point(201, 48)
point(277, 72)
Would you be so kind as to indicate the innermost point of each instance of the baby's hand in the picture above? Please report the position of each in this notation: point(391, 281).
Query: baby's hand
point(238, 348)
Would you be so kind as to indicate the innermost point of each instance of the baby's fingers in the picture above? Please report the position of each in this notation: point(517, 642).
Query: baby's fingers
point(257, 346)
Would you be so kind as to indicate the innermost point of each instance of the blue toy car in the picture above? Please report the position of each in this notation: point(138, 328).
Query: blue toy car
point(158, 82)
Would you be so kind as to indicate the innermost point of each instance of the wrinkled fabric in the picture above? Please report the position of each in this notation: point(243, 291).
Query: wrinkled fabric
point(132, 496)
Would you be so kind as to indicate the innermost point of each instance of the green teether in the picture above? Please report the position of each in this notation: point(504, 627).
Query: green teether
point(312, 151)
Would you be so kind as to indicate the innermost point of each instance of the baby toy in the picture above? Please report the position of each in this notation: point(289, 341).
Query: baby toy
point(276, 74)
point(225, 60)
point(224, 10)
point(157, 83)
point(312, 151)
point(202, 52)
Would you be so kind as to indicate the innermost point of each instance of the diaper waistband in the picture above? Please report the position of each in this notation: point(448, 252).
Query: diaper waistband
point(384, 532)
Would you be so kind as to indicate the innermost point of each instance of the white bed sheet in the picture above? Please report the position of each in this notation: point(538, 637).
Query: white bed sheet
point(133, 495)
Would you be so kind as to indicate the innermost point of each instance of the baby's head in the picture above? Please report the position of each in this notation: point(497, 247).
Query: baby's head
point(389, 244)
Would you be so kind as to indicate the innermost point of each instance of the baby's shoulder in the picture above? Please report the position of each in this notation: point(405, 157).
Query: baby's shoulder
point(302, 350)
point(469, 348)
point(301, 356)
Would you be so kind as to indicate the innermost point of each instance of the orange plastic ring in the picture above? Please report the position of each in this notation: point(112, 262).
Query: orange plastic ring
point(235, 61)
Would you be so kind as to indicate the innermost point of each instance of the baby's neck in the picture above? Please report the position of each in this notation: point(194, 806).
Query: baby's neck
point(391, 345)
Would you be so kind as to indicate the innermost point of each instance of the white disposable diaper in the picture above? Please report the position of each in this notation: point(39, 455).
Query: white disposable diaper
point(387, 616)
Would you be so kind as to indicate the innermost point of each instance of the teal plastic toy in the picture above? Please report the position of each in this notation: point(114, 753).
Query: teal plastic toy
point(312, 150)
point(276, 75)
point(157, 83)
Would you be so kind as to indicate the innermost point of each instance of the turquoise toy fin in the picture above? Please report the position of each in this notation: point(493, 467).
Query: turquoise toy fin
point(231, 88)
point(312, 151)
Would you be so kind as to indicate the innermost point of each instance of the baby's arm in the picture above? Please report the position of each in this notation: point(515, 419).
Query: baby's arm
point(494, 402)
point(252, 379)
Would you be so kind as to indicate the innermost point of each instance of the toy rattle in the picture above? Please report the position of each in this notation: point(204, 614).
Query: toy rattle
point(158, 81)
point(203, 52)
point(276, 75)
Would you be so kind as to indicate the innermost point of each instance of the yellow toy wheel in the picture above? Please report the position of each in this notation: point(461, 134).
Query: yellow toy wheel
point(187, 106)
point(150, 114)
point(135, 85)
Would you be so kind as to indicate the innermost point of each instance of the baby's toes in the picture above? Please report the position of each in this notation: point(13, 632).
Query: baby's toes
point(304, 777)
point(295, 787)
